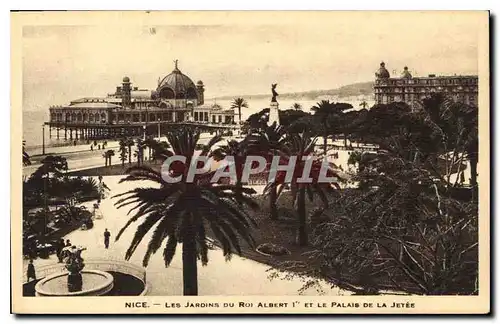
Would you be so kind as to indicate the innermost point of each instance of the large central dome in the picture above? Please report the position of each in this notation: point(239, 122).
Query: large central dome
point(177, 86)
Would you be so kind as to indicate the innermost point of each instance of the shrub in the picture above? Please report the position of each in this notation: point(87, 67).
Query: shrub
point(272, 249)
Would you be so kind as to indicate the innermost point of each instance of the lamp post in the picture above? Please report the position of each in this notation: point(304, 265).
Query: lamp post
point(144, 131)
point(43, 139)
point(159, 129)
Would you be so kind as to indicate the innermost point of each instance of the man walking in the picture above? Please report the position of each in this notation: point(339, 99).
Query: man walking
point(60, 247)
point(31, 271)
point(107, 234)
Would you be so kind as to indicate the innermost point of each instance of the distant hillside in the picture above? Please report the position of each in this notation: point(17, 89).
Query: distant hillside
point(355, 89)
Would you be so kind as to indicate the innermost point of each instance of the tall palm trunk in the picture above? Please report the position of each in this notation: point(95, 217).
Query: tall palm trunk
point(189, 263)
point(106, 160)
point(325, 148)
point(239, 114)
point(473, 175)
point(273, 197)
point(301, 211)
point(473, 169)
point(45, 204)
point(129, 154)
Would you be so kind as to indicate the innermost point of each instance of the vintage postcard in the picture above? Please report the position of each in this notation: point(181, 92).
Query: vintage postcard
point(313, 162)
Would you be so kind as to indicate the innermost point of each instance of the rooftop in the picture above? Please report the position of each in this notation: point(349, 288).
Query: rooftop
point(94, 105)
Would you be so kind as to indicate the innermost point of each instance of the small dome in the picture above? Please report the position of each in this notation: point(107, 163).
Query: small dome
point(126, 79)
point(382, 72)
point(406, 74)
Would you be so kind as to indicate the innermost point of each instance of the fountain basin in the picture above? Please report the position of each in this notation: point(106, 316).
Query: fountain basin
point(95, 283)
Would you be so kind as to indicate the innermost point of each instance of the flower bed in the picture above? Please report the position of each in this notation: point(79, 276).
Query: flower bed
point(270, 249)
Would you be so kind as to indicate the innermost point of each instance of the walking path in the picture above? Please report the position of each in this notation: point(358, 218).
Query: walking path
point(37, 151)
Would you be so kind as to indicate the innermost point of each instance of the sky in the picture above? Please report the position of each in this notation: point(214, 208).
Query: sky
point(62, 62)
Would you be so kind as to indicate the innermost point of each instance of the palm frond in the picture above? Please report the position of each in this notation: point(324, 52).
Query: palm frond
point(169, 250)
point(142, 230)
point(166, 227)
point(137, 173)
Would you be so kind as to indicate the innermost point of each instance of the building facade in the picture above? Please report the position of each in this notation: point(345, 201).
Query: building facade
point(412, 90)
point(176, 99)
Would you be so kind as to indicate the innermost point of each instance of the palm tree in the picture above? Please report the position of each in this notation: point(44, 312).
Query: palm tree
point(302, 145)
point(322, 111)
point(239, 103)
point(139, 153)
point(187, 212)
point(130, 143)
point(329, 117)
point(26, 157)
point(123, 151)
point(51, 164)
point(107, 156)
point(238, 151)
point(159, 149)
point(270, 140)
point(150, 143)
point(458, 128)
point(296, 106)
point(363, 104)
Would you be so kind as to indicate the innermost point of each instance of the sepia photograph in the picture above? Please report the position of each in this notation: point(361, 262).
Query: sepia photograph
point(250, 162)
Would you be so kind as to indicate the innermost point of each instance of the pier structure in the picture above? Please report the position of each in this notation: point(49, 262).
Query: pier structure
point(129, 111)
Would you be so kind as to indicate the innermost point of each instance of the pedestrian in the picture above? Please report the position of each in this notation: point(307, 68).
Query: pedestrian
point(107, 234)
point(60, 247)
point(99, 146)
point(31, 271)
point(91, 147)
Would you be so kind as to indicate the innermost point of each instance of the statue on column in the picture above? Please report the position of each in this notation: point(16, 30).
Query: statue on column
point(273, 90)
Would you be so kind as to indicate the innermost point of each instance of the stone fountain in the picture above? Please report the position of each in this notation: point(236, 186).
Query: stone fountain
point(76, 282)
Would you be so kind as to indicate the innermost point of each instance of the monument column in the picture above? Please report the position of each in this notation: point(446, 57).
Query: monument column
point(274, 107)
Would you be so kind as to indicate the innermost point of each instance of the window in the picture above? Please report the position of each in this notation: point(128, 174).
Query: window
point(167, 93)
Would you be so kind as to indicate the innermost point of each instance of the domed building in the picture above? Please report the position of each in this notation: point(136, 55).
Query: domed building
point(131, 111)
point(412, 90)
